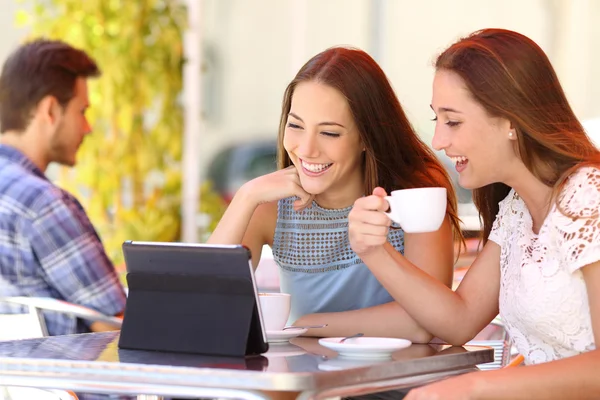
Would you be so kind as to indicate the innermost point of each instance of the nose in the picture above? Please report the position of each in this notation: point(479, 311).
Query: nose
point(308, 146)
point(441, 139)
point(87, 129)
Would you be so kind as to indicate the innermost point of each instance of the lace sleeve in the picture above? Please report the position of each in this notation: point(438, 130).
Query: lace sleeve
point(498, 231)
point(578, 229)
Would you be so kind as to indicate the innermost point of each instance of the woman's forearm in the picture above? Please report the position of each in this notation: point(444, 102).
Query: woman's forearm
point(570, 378)
point(235, 220)
point(385, 320)
point(431, 304)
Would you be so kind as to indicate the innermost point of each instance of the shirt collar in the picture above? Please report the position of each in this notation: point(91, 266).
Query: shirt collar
point(13, 155)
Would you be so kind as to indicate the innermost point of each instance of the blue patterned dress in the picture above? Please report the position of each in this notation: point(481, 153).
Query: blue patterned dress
point(318, 267)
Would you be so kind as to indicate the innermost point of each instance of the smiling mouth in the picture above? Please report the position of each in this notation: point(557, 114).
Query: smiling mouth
point(314, 169)
point(459, 160)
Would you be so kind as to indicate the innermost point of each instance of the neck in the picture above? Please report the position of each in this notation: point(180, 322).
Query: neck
point(28, 145)
point(536, 195)
point(342, 195)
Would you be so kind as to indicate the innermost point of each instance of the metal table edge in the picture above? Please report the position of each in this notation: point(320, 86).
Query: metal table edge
point(239, 379)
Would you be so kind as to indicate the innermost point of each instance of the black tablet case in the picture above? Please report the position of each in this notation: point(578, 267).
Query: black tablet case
point(191, 299)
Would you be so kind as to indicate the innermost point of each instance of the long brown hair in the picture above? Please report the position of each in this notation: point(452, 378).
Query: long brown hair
point(394, 157)
point(511, 77)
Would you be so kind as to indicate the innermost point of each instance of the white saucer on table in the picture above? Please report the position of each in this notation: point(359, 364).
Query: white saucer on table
point(284, 349)
point(283, 336)
point(365, 347)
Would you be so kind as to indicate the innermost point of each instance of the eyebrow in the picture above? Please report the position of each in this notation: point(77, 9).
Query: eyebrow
point(445, 109)
point(320, 123)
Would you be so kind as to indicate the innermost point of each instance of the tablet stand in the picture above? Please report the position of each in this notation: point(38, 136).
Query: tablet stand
point(192, 314)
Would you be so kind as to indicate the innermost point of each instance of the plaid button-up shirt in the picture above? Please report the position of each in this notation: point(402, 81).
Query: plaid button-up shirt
point(49, 248)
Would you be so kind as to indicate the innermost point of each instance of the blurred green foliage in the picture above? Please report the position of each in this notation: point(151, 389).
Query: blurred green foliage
point(128, 173)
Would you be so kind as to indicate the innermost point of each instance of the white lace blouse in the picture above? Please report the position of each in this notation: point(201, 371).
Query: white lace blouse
point(543, 297)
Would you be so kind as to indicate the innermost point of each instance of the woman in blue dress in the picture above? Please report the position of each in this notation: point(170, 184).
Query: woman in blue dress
point(342, 133)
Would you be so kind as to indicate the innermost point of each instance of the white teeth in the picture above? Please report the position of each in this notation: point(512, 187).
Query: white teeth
point(459, 159)
point(315, 167)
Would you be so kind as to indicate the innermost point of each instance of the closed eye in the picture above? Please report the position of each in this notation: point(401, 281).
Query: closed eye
point(449, 123)
point(293, 126)
point(330, 134)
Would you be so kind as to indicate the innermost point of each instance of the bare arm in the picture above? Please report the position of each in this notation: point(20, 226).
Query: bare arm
point(570, 378)
point(234, 222)
point(422, 292)
point(385, 320)
point(251, 217)
point(240, 225)
point(474, 304)
point(434, 251)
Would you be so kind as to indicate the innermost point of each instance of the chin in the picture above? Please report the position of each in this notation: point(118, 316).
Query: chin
point(312, 188)
point(467, 184)
point(473, 184)
point(68, 163)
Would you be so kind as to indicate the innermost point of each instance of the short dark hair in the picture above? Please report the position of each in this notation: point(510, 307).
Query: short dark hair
point(35, 70)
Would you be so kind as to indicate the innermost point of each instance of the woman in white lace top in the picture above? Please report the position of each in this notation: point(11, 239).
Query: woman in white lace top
point(501, 114)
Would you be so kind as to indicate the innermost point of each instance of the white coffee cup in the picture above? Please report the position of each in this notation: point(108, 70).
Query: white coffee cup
point(418, 209)
point(275, 309)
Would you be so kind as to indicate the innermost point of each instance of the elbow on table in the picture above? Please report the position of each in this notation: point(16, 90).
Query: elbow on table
point(420, 336)
point(459, 339)
point(455, 339)
point(457, 342)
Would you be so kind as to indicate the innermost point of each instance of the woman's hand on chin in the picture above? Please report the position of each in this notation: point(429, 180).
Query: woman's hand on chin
point(276, 186)
point(368, 226)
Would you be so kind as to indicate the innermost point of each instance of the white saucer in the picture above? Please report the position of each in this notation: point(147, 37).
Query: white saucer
point(284, 336)
point(284, 349)
point(365, 347)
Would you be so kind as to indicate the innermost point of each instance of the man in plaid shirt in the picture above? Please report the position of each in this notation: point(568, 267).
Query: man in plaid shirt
point(48, 247)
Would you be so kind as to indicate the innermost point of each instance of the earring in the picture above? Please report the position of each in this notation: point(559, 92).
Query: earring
point(511, 134)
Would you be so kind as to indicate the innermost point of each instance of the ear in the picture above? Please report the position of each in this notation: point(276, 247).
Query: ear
point(49, 110)
point(512, 132)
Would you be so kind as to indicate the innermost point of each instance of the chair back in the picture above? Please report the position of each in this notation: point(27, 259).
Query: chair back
point(22, 326)
point(27, 326)
point(495, 336)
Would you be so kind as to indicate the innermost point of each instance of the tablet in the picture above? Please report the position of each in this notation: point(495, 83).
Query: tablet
point(208, 266)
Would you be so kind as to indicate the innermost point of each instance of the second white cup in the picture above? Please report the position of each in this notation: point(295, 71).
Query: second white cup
point(275, 309)
point(418, 209)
